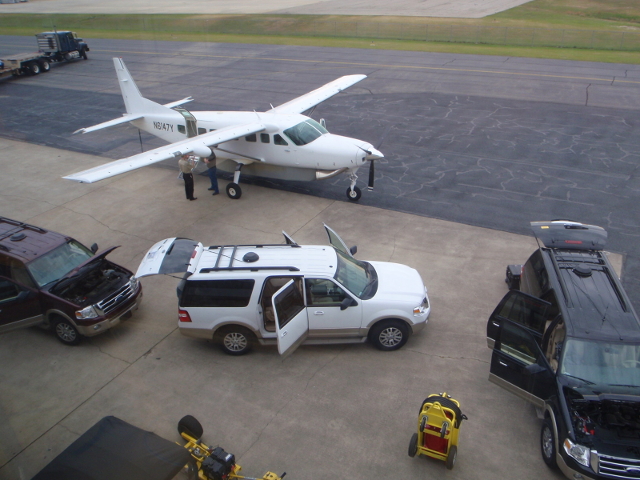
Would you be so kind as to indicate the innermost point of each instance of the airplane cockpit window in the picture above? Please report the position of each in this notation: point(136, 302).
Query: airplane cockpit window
point(278, 140)
point(305, 132)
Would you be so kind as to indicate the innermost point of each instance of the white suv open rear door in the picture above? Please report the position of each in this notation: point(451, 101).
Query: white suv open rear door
point(338, 243)
point(292, 324)
point(171, 255)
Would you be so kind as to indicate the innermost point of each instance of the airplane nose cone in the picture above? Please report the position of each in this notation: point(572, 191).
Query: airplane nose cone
point(375, 154)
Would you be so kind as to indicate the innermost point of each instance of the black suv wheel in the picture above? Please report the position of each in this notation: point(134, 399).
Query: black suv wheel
point(548, 443)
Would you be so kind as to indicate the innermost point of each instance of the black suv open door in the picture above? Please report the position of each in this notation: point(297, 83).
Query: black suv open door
point(514, 332)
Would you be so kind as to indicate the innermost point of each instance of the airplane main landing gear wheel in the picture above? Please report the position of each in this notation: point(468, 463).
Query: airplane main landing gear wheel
point(234, 191)
point(354, 195)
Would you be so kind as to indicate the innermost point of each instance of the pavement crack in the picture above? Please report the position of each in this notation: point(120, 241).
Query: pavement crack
point(586, 102)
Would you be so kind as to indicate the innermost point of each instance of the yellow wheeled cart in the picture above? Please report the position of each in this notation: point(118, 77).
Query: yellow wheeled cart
point(438, 427)
point(211, 463)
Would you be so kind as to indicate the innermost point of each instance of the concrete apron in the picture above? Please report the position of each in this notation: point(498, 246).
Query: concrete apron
point(324, 412)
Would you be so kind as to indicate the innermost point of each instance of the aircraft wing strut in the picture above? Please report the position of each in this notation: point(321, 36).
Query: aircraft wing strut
point(313, 98)
point(196, 145)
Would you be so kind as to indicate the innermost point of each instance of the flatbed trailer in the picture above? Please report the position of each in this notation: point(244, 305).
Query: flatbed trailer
point(52, 47)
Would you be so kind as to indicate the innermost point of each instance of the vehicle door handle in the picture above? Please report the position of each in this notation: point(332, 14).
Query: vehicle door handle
point(318, 312)
point(502, 363)
point(495, 324)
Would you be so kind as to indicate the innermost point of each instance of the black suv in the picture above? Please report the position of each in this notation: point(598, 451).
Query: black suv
point(52, 280)
point(567, 339)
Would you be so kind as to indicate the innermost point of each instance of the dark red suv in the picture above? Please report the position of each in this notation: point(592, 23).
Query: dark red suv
point(52, 280)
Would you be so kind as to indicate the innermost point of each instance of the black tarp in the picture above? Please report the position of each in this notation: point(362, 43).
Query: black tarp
point(114, 450)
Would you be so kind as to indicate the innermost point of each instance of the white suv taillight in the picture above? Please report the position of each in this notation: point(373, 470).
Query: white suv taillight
point(183, 316)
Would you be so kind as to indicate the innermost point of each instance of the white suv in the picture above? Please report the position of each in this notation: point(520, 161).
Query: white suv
point(286, 294)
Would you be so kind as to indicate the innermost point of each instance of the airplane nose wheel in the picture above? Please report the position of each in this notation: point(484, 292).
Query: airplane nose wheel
point(234, 191)
point(354, 195)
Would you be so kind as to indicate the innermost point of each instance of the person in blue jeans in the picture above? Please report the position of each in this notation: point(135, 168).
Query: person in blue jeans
point(211, 165)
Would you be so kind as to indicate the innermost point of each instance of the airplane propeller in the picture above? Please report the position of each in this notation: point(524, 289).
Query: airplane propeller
point(372, 155)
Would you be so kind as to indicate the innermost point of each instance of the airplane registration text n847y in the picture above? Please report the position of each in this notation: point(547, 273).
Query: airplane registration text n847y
point(279, 143)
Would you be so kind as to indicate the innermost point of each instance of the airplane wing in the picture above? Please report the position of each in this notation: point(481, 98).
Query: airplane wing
point(311, 99)
point(195, 145)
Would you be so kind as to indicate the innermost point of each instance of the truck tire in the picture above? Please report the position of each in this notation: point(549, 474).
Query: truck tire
point(34, 68)
point(548, 444)
point(83, 54)
point(235, 340)
point(45, 66)
point(66, 332)
point(388, 335)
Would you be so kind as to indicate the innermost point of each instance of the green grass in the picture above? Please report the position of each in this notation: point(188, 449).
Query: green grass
point(594, 26)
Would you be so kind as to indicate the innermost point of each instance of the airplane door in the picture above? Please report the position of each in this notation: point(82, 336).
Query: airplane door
point(292, 325)
point(190, 120)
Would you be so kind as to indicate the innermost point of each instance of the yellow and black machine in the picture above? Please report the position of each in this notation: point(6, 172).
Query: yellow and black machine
point(439, 422)
point(211, 463)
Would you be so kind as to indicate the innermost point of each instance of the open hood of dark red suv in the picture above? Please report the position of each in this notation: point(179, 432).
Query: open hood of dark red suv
point(95, 258)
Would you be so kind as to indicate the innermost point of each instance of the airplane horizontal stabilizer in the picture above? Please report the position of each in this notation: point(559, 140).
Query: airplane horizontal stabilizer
point(311, 99)
point(126, 118)
point(200, 145)
point(177, 103)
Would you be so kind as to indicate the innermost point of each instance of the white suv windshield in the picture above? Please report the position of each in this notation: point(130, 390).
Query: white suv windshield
point(358, 277)
point(602, 363)
point(58, 262)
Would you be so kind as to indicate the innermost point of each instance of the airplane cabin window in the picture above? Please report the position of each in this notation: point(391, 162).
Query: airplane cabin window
point(250, 138)
point(181, 129)
point(278, 140)
point(201, 130)
point(264, 137)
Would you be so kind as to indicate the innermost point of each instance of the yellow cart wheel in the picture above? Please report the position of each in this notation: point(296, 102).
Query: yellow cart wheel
point(451, 458)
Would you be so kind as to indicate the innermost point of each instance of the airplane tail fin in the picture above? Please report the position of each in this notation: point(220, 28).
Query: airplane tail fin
point(134, 102)
point(137, 106)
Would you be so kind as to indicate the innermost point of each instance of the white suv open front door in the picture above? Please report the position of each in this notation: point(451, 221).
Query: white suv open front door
point(338, 243)
point(292, 324)
point(171, 255)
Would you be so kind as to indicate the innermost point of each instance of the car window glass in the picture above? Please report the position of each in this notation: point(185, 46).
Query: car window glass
point(8, 290)
point(323, 292)
point(353, 274)
point(518, 343)
point(535, 279)
point(58, 262)
point(15, 270)
point(217, 293)
point(525, 310)
point(288, 304)
point(602, 363)
point(271, 286)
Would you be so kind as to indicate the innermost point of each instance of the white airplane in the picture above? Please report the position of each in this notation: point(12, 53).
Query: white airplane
point(279, 143)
